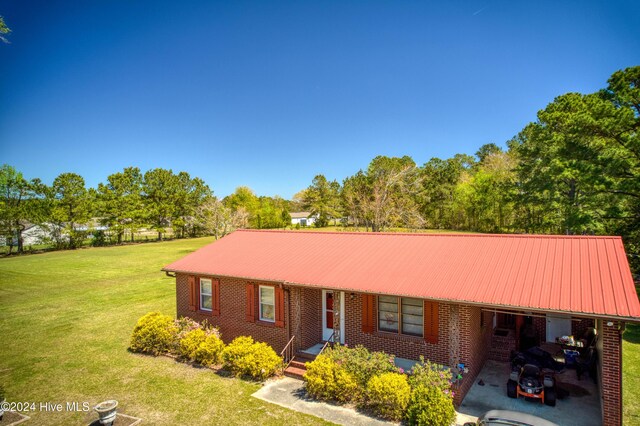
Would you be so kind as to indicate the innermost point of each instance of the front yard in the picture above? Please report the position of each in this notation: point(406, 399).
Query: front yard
point(65, 322)
point(66, 318)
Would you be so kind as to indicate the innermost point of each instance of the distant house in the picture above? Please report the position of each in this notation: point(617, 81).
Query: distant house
point(303, 218)
point(31, 235)
point(454, 299)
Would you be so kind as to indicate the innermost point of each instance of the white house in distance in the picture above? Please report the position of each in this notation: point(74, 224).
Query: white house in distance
point(303, 218)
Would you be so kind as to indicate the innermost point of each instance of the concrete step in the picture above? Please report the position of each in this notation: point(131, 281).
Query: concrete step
point(305, 356)
point(298, 364)
point(294, 372)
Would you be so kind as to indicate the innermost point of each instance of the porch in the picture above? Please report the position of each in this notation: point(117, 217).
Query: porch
point(578, 401)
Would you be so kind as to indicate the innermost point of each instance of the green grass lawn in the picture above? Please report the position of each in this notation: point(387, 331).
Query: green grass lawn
point(65, 322)
point(631, 375)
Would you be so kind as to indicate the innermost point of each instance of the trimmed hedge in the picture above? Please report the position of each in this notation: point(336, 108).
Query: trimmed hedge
point(388, 395)
point(430, 406)
point(153, 334)
point(159, 334)
point(327, 380)
point(257, 360)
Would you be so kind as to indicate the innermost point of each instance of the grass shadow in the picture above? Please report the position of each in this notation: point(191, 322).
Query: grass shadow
point(632, 333)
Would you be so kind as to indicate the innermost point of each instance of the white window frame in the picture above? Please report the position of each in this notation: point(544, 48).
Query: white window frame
point(206, 294)
point(273, 292)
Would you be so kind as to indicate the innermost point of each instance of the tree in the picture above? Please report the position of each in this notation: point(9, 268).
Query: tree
point(214, 218)
point(15, 193)
point(439, 181)
point(322, 198)
point(244, 204)
point(190, 195)
point(3, 30)
point(71, 207)
point(355, 199)
point(393, 181)
point(120, 201)
point(487, 150)
point(160, 188)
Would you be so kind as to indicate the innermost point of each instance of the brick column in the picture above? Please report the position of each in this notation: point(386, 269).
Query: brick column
point(336, 316)
point(611, 368)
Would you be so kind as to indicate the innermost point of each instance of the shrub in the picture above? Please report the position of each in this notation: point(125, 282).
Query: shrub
point(429, 405)
point(388, 395)
point(430, 375)
point(244, 357)
point(325, 379)
point(210, 351)
point(190, 343)
point(154, 334)
point(362, 364)
point(183, 325)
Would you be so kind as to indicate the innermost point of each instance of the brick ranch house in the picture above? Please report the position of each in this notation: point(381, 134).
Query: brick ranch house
point(451, 298)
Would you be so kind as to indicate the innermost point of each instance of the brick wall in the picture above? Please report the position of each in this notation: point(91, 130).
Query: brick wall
point(400, 345)
point(310, 331)
point(611, 372)
point(578, 328)
point(232, 320)
point(474, 342)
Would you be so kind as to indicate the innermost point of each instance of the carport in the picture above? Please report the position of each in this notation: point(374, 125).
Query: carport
point(580, 405)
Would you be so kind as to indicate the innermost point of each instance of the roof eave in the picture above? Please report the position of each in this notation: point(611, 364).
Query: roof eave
point(457, 301)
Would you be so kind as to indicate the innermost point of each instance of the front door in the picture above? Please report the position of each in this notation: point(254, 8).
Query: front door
point(327, 314)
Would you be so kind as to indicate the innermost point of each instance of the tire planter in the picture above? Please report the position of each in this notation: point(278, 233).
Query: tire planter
point(107, 411)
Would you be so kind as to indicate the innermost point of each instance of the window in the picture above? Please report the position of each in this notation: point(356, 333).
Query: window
point(412, 317)
point(400, 315)
point(267, 304)
point(205, 294)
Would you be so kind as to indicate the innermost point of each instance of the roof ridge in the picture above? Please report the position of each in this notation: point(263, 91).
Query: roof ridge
point(434, 234)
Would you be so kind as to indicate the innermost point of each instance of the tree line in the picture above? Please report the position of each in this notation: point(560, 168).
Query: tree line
point(128, 201)
point(574, 170)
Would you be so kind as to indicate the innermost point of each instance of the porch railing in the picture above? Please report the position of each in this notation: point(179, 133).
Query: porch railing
point(329, 340)
point(287, 353)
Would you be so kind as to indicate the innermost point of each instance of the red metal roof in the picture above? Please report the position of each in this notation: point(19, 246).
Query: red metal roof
point(578, 274)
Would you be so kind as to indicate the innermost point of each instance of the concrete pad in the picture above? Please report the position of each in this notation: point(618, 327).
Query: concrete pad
point(580, 408)
point(290, 393)
point(405, 364)
point(313, 350)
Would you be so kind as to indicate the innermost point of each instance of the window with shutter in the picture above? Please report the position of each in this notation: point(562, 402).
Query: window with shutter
point(205, 295)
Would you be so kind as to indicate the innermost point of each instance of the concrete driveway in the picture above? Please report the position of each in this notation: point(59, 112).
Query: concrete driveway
point(581, 407)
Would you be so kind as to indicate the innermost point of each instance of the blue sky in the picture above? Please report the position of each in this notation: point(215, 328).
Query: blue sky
point(268, 94)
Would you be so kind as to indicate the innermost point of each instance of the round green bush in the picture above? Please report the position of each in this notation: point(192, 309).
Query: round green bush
point(429, 405)
point(190, 343)
point(244, 357)
point(153, 334)
point(210, 351)
point(326, 379)
point(388, 395)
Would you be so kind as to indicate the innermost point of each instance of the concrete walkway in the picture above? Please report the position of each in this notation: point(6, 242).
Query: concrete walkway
point(289, 393)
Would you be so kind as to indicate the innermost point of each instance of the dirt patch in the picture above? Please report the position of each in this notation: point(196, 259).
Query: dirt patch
point(121, 420)
point(11, 418)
